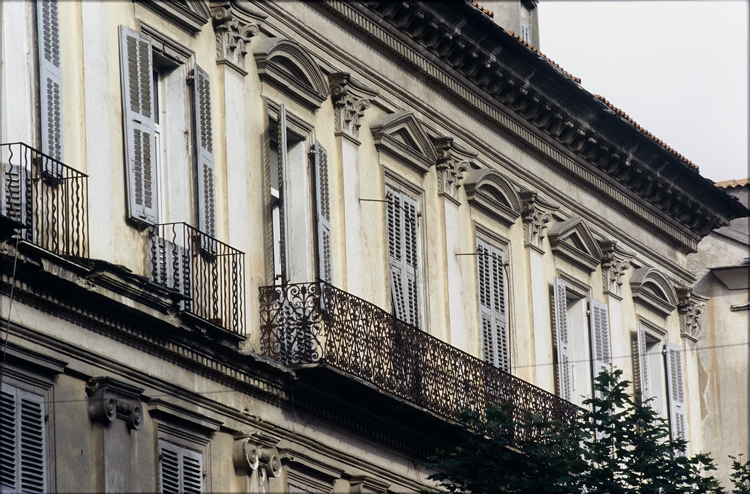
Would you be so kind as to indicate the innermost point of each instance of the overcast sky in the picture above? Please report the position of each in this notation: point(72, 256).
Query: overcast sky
point(679, 69)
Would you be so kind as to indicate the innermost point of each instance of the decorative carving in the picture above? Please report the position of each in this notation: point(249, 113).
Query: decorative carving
point(401, 136)
point(690, 307)
point(615, 262)
point(110, 399)
point(536, 214)
point(233, 30)
point(350, 100)
point(257, 453)
point(489, 191)
point(653, 289)
point(572, 240)
point(451, 163)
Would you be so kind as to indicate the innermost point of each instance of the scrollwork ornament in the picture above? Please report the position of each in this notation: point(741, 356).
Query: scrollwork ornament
point(350, 101)
point(232, 34)
point(690, 307)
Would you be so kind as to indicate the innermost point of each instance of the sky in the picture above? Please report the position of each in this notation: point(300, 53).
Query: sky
point(678, 68)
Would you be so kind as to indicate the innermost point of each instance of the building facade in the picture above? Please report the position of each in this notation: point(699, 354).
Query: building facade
point(280, 247)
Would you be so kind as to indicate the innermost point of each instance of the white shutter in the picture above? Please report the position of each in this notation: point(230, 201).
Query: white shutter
point(283, 187)
point(138, 114)
point(599, 336)
point(500, 317)
point(486, 313)
point(411, 269)
point(394, 226)
point(323, 212)
point(50, 78)
point(204, 161)
point(23, 463)
point(642, 365)
point(180, 469)
point(560, 316)
point(676, 392)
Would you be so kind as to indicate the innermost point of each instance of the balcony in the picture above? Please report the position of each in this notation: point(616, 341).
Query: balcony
point(209, 274)
point(46, 200)
point(316, 323)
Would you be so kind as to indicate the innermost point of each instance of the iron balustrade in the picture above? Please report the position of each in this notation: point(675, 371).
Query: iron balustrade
point(45, 199)
point(309, 323)
point(207, 272)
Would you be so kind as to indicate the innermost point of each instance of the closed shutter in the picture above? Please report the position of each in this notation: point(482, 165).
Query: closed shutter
point(410, 259)
point(401, 219)
point(283, 184)
point(560, 316)
point(204, 161)
point(499, 297)
point(137, 102)
point(172, 267)
point(180, 469)
point(394, 226)
point(676, 392)
point(641, 365)
point(486, 312)
point(599, 335)
point(50, 78)
point(492, 305)
point(323, 212)
point(14, 194)
point(22, 441)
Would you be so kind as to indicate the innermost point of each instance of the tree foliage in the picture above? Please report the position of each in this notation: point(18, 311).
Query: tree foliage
point(614, 446)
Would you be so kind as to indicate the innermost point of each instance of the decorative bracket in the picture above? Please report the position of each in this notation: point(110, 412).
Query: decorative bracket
point(536, 214)
point(257, 453)
point(110, 399)
point(234, 24)
point(690, 307)
point(615, 262)
point(452, 161)
point(350, 100)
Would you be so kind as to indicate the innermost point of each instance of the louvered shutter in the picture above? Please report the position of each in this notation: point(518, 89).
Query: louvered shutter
point(323, 212)
point(172, 267)
point(642, 365)
point(500, 317)
point(560, 315)
point(394, 225)
point(180, 469)
point(676, 392)
point(410, 259)
point(283, 184)
point(23, 462)
point(204, 161)
point(599, 336)
point(137, 101)
point(14, 191)
point(486, 312)
point(50, 79)
point(192, 472)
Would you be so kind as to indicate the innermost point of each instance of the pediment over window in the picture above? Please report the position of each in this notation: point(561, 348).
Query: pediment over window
point(190, 15)
point(288, 66)
point(489, 191)
point(401, 136)
point(652, 289)
point(572, 240)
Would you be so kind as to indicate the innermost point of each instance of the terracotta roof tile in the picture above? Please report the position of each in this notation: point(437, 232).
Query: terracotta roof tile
point(488, 13)
point(646, 132)
point(544, 57)
point(734, 183)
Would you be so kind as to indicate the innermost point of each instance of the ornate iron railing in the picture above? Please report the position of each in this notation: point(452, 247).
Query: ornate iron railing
point(45, 199)
point(317, 323)
point(209, 273)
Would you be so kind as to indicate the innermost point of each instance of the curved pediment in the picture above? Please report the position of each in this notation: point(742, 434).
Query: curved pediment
point(489, 191)
point(572, 240)
point(652, 289)
point(287, 65)
point(401, 136)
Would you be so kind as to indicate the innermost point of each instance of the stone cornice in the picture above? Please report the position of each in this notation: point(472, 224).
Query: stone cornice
point(472, 65)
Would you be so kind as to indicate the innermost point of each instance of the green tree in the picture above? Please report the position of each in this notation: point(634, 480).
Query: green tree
point(614, 446)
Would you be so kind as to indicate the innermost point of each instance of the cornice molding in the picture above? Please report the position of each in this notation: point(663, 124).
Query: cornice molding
point(572, 240)
point(401, 136)
point(490, 192)
point(188, 15)
point(652, 289)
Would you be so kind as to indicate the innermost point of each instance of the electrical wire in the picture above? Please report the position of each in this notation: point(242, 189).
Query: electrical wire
point(10, 305)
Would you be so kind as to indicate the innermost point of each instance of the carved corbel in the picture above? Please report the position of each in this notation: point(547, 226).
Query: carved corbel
point(350, 100)
point(615, 262)
point(536, 214)
point(451, 163)
point(234, 24)
point(110, 399)
point(690, 307)
point(257, 454)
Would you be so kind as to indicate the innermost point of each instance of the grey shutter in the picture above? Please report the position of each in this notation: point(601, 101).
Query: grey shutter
point(486, 313)
point(283, 184)
point(23, 464)
point(137, 101)
point(204, 161)
point(676, 392)
point(323, 212)
point(14, 190)
point(172, 267)
point(411, 269)
point(560, 313)
point(599, 336)
point(50, 78)
point(180, 469)
point(500, 317)
point(192, 471)
point(394, 226)
point(642, 365)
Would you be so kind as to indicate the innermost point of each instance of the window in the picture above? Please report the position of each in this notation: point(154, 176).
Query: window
point(580, 354)
point(402, 231)
point(492, 305)
point(22, 441)
point(180, 469)
point(525, 32)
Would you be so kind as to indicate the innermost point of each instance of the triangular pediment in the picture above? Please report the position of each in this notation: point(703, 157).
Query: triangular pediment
point(190, 15)
point(402, 137)
point(572, 240)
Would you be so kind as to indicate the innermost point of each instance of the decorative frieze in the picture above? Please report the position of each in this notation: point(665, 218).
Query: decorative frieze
point(350, 100)
point(235, 23)
point(690, 307)
point(615, 262)
point(452, 162)
point(536, 214)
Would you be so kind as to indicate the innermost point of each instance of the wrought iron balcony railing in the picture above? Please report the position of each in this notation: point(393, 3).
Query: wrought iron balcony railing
point(209, 273)
point(46, 199)
point(317, 323)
